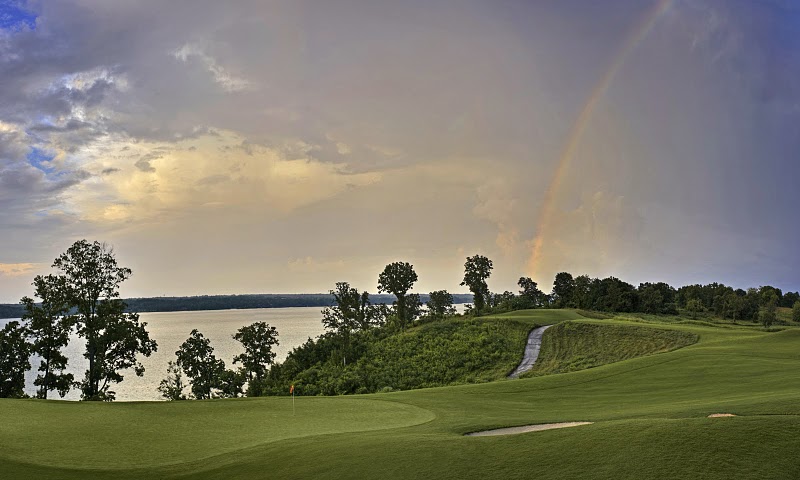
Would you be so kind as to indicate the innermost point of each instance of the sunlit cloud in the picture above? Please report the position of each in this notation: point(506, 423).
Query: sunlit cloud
point(18, 269)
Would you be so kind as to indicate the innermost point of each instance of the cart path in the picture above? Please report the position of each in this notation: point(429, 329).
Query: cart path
point(531, 351)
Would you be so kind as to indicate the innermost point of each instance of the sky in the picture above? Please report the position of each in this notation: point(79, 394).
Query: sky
point(255, 146)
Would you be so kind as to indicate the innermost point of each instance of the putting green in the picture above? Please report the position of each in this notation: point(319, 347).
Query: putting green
point(123, 435)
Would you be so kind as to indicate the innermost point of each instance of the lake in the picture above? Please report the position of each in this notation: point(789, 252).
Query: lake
point(170, 329)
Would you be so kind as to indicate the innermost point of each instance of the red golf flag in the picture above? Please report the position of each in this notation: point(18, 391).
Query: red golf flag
point(291, 389)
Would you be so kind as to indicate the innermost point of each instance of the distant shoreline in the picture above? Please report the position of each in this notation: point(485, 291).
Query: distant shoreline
point(232, 302)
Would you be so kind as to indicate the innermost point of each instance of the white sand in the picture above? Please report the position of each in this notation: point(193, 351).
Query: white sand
point(526, 428)
point(718, 415)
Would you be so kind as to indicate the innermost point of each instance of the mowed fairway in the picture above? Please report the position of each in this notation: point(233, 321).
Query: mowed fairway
point(649, 413)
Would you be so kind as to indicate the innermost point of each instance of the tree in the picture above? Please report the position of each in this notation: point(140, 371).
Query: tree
point(789, 299)
point(651, 300)
point(796, 311)
point(15, 352)
point(476, 270)
point(352, 312)
point(113, 337)
point(695, 306)
point(49, 326)
point(770, 311)
point(171, 387)
point(196, 359)
point(398, 278)
point(231, 383)
point(440, 304)
point(529, 291)
point(563, 287)
point(581, 294)
point(257, 340)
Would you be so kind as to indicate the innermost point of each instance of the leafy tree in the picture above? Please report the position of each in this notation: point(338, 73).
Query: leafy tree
point(563, 288)
point(796, 311)
point(440, 304)
point(352, 312)
point(398, 278)
point(651, 300)
point(529, 291)
point(15, 352)
point(413, 306)
point(789, 299)
point(581, 293)
point(231, 383)
point(734, 306)
point(171, 387)
point(476, 270)
point(770, 311)
point(49, 326)
point(113, 337)
point(257, 340)
point(694, 306)
point(196, 359)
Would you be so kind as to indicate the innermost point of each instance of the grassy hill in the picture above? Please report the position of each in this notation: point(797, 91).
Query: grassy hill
point(649, 413)
point(572, 346)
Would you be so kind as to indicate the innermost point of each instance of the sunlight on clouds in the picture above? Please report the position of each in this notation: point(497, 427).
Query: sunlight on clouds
point(152, 181)
point(17, 269)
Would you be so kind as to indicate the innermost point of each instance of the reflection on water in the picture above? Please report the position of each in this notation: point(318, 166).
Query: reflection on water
point(170, 329)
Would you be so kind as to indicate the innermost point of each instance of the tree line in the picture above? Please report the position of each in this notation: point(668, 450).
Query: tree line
point(83, 297)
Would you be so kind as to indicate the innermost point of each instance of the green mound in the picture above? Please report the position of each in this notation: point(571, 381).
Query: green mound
point(70, 434)
point(572, 346)
point(445, 352)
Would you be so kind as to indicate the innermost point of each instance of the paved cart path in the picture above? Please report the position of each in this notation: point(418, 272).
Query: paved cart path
point(531, 351)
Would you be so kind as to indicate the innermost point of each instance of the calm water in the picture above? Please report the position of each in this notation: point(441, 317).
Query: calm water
point(170, 329)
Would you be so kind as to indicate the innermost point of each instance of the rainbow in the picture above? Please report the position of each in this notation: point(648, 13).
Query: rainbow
point(578, 129)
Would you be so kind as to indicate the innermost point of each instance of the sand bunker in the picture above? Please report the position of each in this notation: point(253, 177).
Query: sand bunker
point(526, 428)
point(718, 415)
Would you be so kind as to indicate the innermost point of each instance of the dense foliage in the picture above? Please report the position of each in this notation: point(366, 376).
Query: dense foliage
point(14, 360)
point(614, 295)
point(456, 350)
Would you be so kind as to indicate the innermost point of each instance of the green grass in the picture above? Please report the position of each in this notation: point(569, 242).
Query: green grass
point(649, 413)
point(573, 346)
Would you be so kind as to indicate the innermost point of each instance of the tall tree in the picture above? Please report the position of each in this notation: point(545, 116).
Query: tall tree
point(770, 310)
point(257, 340)
point(563, 287)
point(529, 291)
point(796, 311)
point(650, 299)
point(476, 270)
point(397, 278)
point(15, 353)
point(352, 312)
point(113, 337)
point(197, 360)
point(49, 326)
point(440, 304)
point(695, 306)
